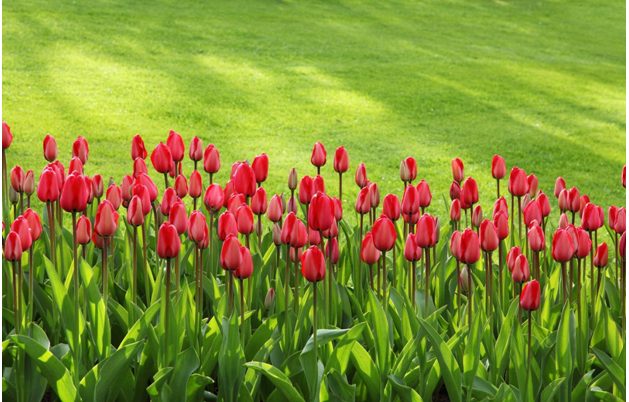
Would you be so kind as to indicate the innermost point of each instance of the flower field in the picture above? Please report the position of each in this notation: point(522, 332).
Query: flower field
point(198, 290)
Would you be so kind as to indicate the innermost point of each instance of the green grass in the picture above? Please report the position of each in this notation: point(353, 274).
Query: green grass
point(542, 83)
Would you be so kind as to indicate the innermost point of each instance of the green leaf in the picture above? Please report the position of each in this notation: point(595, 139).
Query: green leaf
point(565, 345)
point(279, 380)
point(403, 391)
point(616, 372)
point(380, 325)
point(99, 321)
point(55, 372)
point(231, 358)
point(366, 369)
point(338, 387)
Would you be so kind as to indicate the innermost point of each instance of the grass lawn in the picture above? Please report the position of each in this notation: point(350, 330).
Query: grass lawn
point(542, 83)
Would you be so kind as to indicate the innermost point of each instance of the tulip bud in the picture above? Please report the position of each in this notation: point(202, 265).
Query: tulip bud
point(384, 234)
point(584, 243)
point(29, 183)
point(501, 222)
point(574, 199)
point(211, 159)
point(408, 170)
point(114, 196)
point(260, 167)
point(106, 221)
point(457, 170)
point(196, 184)
point(361, 175)
point(47, 189)
point(17, 178)
point(563, 221)
point(426, 227)
point(374, 195)
point(298, 234)
point(83, 230)
point(181, 186)
point(424, 195)
point(97, 185)
point(227, 225)
point(291, 206)
point(275, 209)
point(321, 212)
point(80, 149)
point(313, 264)
point(34, 223)
point(196, 149)
point(22, 228)
point(341, 160)
point(411, 251)
point(477, 216)
point(488, 236)
point(277, 234)
point(620, 221)
point(12, 244)
point(600, 258)
point(258, 201)
point(518, 183)
point(533, 184)
point(7, 137)
point(50, 148)
point(562, 246)
point(521, 270)
point(75, 194)
point(562, 200)
point(137, 148)
point(470, 247)
point(455, 191)
point(269, 299)
point(369, 254)
point(292, 179)
point(318, 156)
point(214, 198)
point(469, 193)
point(135, 215)
point(332, 250)
point(531, 213)
point(143, 193)
point(168, 242)
point(498, 168)
point(530, 296)
point(14, 197)
point(177, 217)
point(305, 190)
point(464, 280)
point(536, 238)
point(560, 184)
point(161, 158)
point(455, 245)
point(245, 268)
point(544, 204)
point(244, 219)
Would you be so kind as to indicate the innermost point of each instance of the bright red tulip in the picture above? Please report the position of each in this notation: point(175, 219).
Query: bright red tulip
point(12, 244)
point(544, 204)
point(369, 254)
point(135, 215)
point(214, 198)
point(563, 221)
point(7, 137)
point(620, 221)
point(600, 258)
point(211, 159)
point(176, 145)
point(227, 225)
point(563, 248)
point(591, 219)
point(319, 155)
point(341, 160)
point(197, 226)
point(29, 182)
point(275, 209)
point(338, 209)
point(374, 195)
point(584, 243)
point(477, 216)
point(287, 227)
point(34, 223)
point(455, 245)
point(488, 236)
point(258, 202)
point(501, 222)
point(140, 191)
point(455, 191)
point(391, 207)
point(518, 183)
point(332, 250)
point(168, 241)
point(410, 201)
point(75, 165)
point(470, 247)
point(162, 158)
point(83, 230)
point(195, 152)
point(533, 184)
point(196, 184)
point(47, 189)
point(408, 169)
point(411, 251)
point(74, 194)
point(560, 184)
point(531, 213)
point(530, 296)
point(106, 221)
point(168, 199)
point(537, 240)
point(178, 217)
point(457, 170)
point(235, 201)
point(17, 178)
point(313, 264)
point(361, 175)
point(138, 150)
point(455, 211)
point(384, 234)
point(363, 201)
point(321, 212)
point(80, 149)
point(425, 235)
point(574, 199)
point(314, 238)
point(469, 193)
point(583, 201)
point(562, 200)
point(244, 180)
point(97, 185)
point(260, 167)
point(521, 271)
point(424, 195)
point(298, 234)
point(126, 187)
point(244, 219)
point(498, 168)
point(50, 148)
point(181, 186)
point(305, 190)
point(114, 196)
point(245, 268)
point(21, 226)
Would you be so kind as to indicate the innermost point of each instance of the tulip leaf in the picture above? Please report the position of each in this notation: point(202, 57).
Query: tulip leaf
point(614, 369)
point(279, 379)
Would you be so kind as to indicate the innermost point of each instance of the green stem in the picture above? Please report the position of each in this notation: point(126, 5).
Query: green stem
point(75, 276)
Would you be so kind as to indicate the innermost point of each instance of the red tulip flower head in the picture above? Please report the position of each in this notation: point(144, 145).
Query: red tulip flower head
point(306, 190)
point(138, 150)
point(106, 221)
point(12, 244)
point(17, 178)
point(455, 245)
point(341, 160)
point(135, 215)
point(384, 234)
point(470, 247)
point(477, 216)
point(532, 212)
point(231, 256)
point(361, 175)
point(83, 230)
point(518, 182)
point(408, 169)
point(214, 198)
point(321, 212)
point(23, 229)
point(488, 236)
point(411, 251)
point(196, 149)
point(410, 201)
point(501, 222)
point(162, 158)
point(319, 155)
point(211, 159)
point(563, 247)
point(424, 195)
point(533, 184)
point(455, 210)
point(178, 217)
point(574, 200)
point(623, 176)
point(313, 264)
point(498, 168)
point(469, 193)
point(275, 209)
point(7, 137)
point(260, 166)
point(455, 191)
point(168, 199)
point(521, 272)
point(298, 234)
point(48, 189)
point(591, 219)
point(80, 149)
point(29, 182)
point(530, 296)
point(537, 240)
point(244, 219)
point(601, 256)
point(363, 201)
point(50, 148)
point(181, 186)
point(176, 145)
point(332, 250)
point(391, 207)
point(245, 269)
point(620, 221)
point(227, 225)
point(457, 170)
point(369, 254)
point(75, 193)
point(34, 223)
point(584, 243)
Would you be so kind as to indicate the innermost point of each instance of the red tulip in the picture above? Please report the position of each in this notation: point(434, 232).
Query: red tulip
point(384, 234)
point(50, 148)
point(97, 185)
point(181, 186)
point(235, 201)
point(533, 184)
point(292, 179)
point(424, 195)
point(583, 201)
point(457, 170)
point(178, 217)
point(138, 150)
point(321, 212)
point(244, 219)
point(620, 221)
point(197, 226)
point(563, 221)
point(314, 238)
point(469, 193)
point(196, 149)
point(560, 184)
point(363, 201)
point(75, 165)
point(287, 227)
point(47, 189)
point(563, 248)
point(114, 196)
point(531, 213)
point(455, 211)
point(245, 268)
point(74, 194)
point(518, 183)
point(426, 227)
point(168, 199)
point(34, 223)
point(408, 169)
point(410, 201)
point(319, 155)
point(145, 180)
point(470, 247)
point(260, 167)
point(544, 204)
point(600, 258)
point(477, 216)
point(162, 158)
point(211, 159)
point(332, 250)
point(591, 219)
point(536, 238)
point(411, 251)
point(12, 244)
point(338, 209)
point(341, 160)
point(7, 137)
point(455, 191)
point(501, 222)
point(612, 214)
point(176, 145)
point(374, 195)
point(361, 175)
point(17, 178)
point(135, 215)
point(498, 168)
point(140, 191)
point(168, 241)
point(196, 184)
point(291, 205)
point(369, 254)
point(455, 245)
point(298, 234)
point(58, 168)
point(318, 184)
point(106, 221)
point(214, 198)
point(488, 236)
point(227, 225)
point(584, 243)
point(258, 201)
point(83, 230)
point(23, 229)
point(391, 207)
point(29, 182)
point(530, 296)
point(562, 200)
point(244, 180)
point(80, 149)
point(98, 241)
point(574, 200)
point(275, 209)
point(521, 272)
point(305, 190)
point(313, 264)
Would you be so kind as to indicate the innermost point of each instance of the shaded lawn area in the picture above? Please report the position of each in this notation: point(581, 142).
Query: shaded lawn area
point(542, 83)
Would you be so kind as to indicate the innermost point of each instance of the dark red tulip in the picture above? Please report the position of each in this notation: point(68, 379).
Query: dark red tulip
point(178, 217)
point(455, 245)
point(488, 236)
point(455, 211)
point(7, 137)
point(305, 190)
point(391, 207)
point(537, 240)
point(106, 221)
point(244, 180)
point(623, 176)
point(612, 214)
point(181, 186)
point(470, 247)
point(319, 155)
point(197, 226)
point(75, 194)
point(369, 254)
point(227, 225)
point(530, 296)
point(214, 198)
point(80, 149)
point(298, 234)
point(313, 264)
point(560, 184)
point(374, 194)
point(168, 241)
point(196, 149)
point(47, 189)
point(361, 175)
point(162, 158)
point(410, 201)
point(533, 184)
point(518, 183)
point(21, 226)
point(563, 248)
point(425, 235)
point(408, 169)
point(600, 258)
point(574, 200)
point(455, 191)
point(620, 221)
point(469, 193)
point(83, 230)
point(457, 170)
point(50, 148)
point(477, 216)
point(12, 244)
point(321, 212)
point(260, 167)
point(34, 223)
point(245, 268)
point(292, 179)
point(114, 196)
point(332, 250)
point(498, 168)
point(196, 184)
point(424, 195)
point(135, 215)
point(384, 234)
point(341, 160)
point(591, 219)
point(584, 243)
point(411, 251)
point(531, 213)
point(521, 271)
point(138, 150)
point(244, 219)
point(211, 159)
point(17, 178)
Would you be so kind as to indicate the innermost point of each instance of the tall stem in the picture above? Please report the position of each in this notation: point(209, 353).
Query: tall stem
point(470, 296)
point(145, 264)
point(31, 283)
point(314, 317)
point(427, 291)
point(564, 281)
point(134, 282)
point(166, 312)
point(497, 188)
point(341, 187)
point(242, 306)
point(75, 276)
